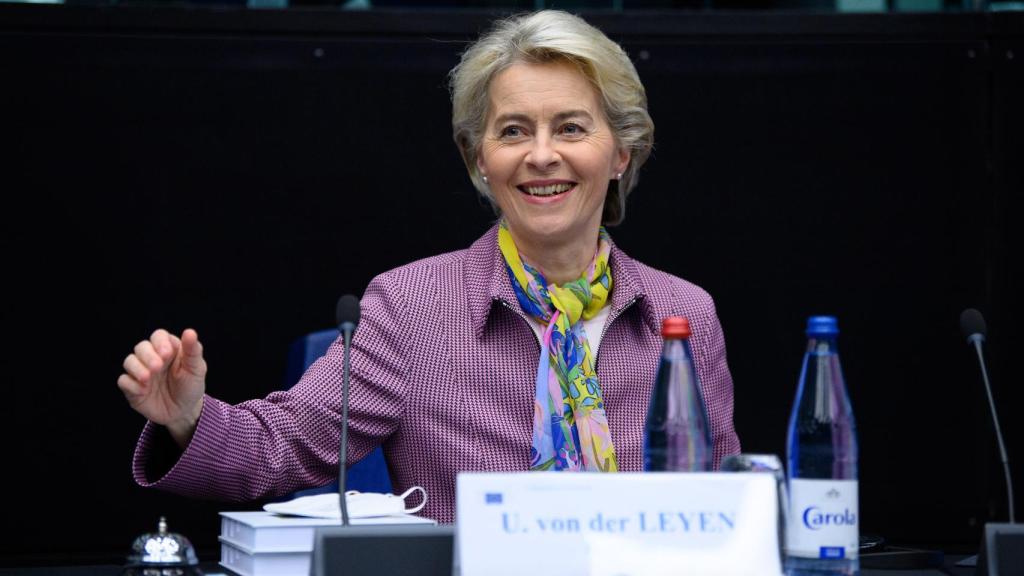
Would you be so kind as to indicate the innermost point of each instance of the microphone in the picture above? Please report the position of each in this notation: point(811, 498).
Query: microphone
point(972, 324)
point(346, 313)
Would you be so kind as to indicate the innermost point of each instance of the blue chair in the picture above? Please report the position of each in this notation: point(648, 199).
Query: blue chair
point(369, 474)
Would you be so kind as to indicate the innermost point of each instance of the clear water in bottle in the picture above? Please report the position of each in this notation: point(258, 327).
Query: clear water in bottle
point(822, 536)
point(676, 436)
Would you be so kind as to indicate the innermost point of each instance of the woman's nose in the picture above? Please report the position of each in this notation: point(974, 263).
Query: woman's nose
point(543, 155)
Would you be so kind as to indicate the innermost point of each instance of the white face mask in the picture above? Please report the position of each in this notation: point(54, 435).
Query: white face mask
point(360, 505)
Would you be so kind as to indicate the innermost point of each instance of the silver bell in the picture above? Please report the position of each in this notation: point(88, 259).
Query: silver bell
point(162, 553)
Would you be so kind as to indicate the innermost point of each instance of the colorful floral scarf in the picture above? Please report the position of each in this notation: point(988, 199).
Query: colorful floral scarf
point(570, 429)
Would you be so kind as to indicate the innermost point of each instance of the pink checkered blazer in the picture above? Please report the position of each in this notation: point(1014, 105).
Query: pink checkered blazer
point(443, 368)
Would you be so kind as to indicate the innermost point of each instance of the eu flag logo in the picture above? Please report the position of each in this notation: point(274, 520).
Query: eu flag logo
point(492, 498)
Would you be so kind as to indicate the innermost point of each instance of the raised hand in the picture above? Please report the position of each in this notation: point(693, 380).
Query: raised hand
point(165, 379)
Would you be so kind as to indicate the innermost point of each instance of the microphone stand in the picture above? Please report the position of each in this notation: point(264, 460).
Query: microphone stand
point(998, 539)
point(976, 339)
point(346, 329)
point(347, 315)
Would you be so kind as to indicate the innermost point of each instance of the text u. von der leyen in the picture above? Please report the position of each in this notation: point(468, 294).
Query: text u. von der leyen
point(699, 522)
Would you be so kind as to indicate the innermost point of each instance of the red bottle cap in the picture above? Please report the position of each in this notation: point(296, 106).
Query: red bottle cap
point(675, 327)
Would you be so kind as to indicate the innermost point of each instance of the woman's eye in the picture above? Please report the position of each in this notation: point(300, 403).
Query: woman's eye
point(511, 132)
point(572, 129)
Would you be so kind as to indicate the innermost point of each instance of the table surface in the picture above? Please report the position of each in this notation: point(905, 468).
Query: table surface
point(212, 569)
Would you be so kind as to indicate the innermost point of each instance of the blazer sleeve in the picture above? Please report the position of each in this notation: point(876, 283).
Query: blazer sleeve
point(289, 440)
point(716, 383)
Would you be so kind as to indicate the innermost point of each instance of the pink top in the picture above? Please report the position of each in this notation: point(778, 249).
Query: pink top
point(443, 368)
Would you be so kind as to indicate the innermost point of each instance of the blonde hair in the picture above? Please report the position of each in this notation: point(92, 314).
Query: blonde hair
point(551, 36)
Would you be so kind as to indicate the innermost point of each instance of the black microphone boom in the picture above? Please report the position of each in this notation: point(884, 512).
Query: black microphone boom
point(347, 315)
point(972, 323)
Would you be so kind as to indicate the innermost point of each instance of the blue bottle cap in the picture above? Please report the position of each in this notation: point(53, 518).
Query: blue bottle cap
point(822, 326)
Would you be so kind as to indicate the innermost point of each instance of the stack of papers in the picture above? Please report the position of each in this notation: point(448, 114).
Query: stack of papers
point(267, 544)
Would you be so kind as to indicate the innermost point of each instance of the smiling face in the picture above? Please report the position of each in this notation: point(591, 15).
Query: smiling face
point(548, 154)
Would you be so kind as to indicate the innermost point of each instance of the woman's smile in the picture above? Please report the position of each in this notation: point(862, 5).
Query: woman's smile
point(544, 191)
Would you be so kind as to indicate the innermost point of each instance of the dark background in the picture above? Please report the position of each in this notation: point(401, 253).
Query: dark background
point(236, 171)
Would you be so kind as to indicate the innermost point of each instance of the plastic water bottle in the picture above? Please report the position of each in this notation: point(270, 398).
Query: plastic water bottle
point(677, 437)
point(822, 536)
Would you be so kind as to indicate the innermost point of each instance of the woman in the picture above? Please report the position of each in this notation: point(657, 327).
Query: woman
point(535, 348)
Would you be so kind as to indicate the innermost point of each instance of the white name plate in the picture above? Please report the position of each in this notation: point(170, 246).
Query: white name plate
point(626, 524)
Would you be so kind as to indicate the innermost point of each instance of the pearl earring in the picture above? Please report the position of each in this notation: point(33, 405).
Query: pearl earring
point(618, 176)
point(484, 178)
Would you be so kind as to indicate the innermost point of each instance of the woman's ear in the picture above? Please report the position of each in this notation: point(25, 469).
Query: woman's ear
point(621, 162)
point(481, 168)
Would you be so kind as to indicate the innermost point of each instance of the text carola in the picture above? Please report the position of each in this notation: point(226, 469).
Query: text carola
point(815, 519)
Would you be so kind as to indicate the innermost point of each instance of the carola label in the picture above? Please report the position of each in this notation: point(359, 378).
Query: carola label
point(823, 519)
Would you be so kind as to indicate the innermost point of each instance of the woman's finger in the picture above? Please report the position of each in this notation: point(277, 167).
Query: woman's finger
point(148, 356)
point(134, 369)
point(162, 344)
point(130, 386)
point(191, 347)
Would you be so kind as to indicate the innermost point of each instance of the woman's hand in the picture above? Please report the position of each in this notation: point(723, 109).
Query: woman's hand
point(164, 380)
